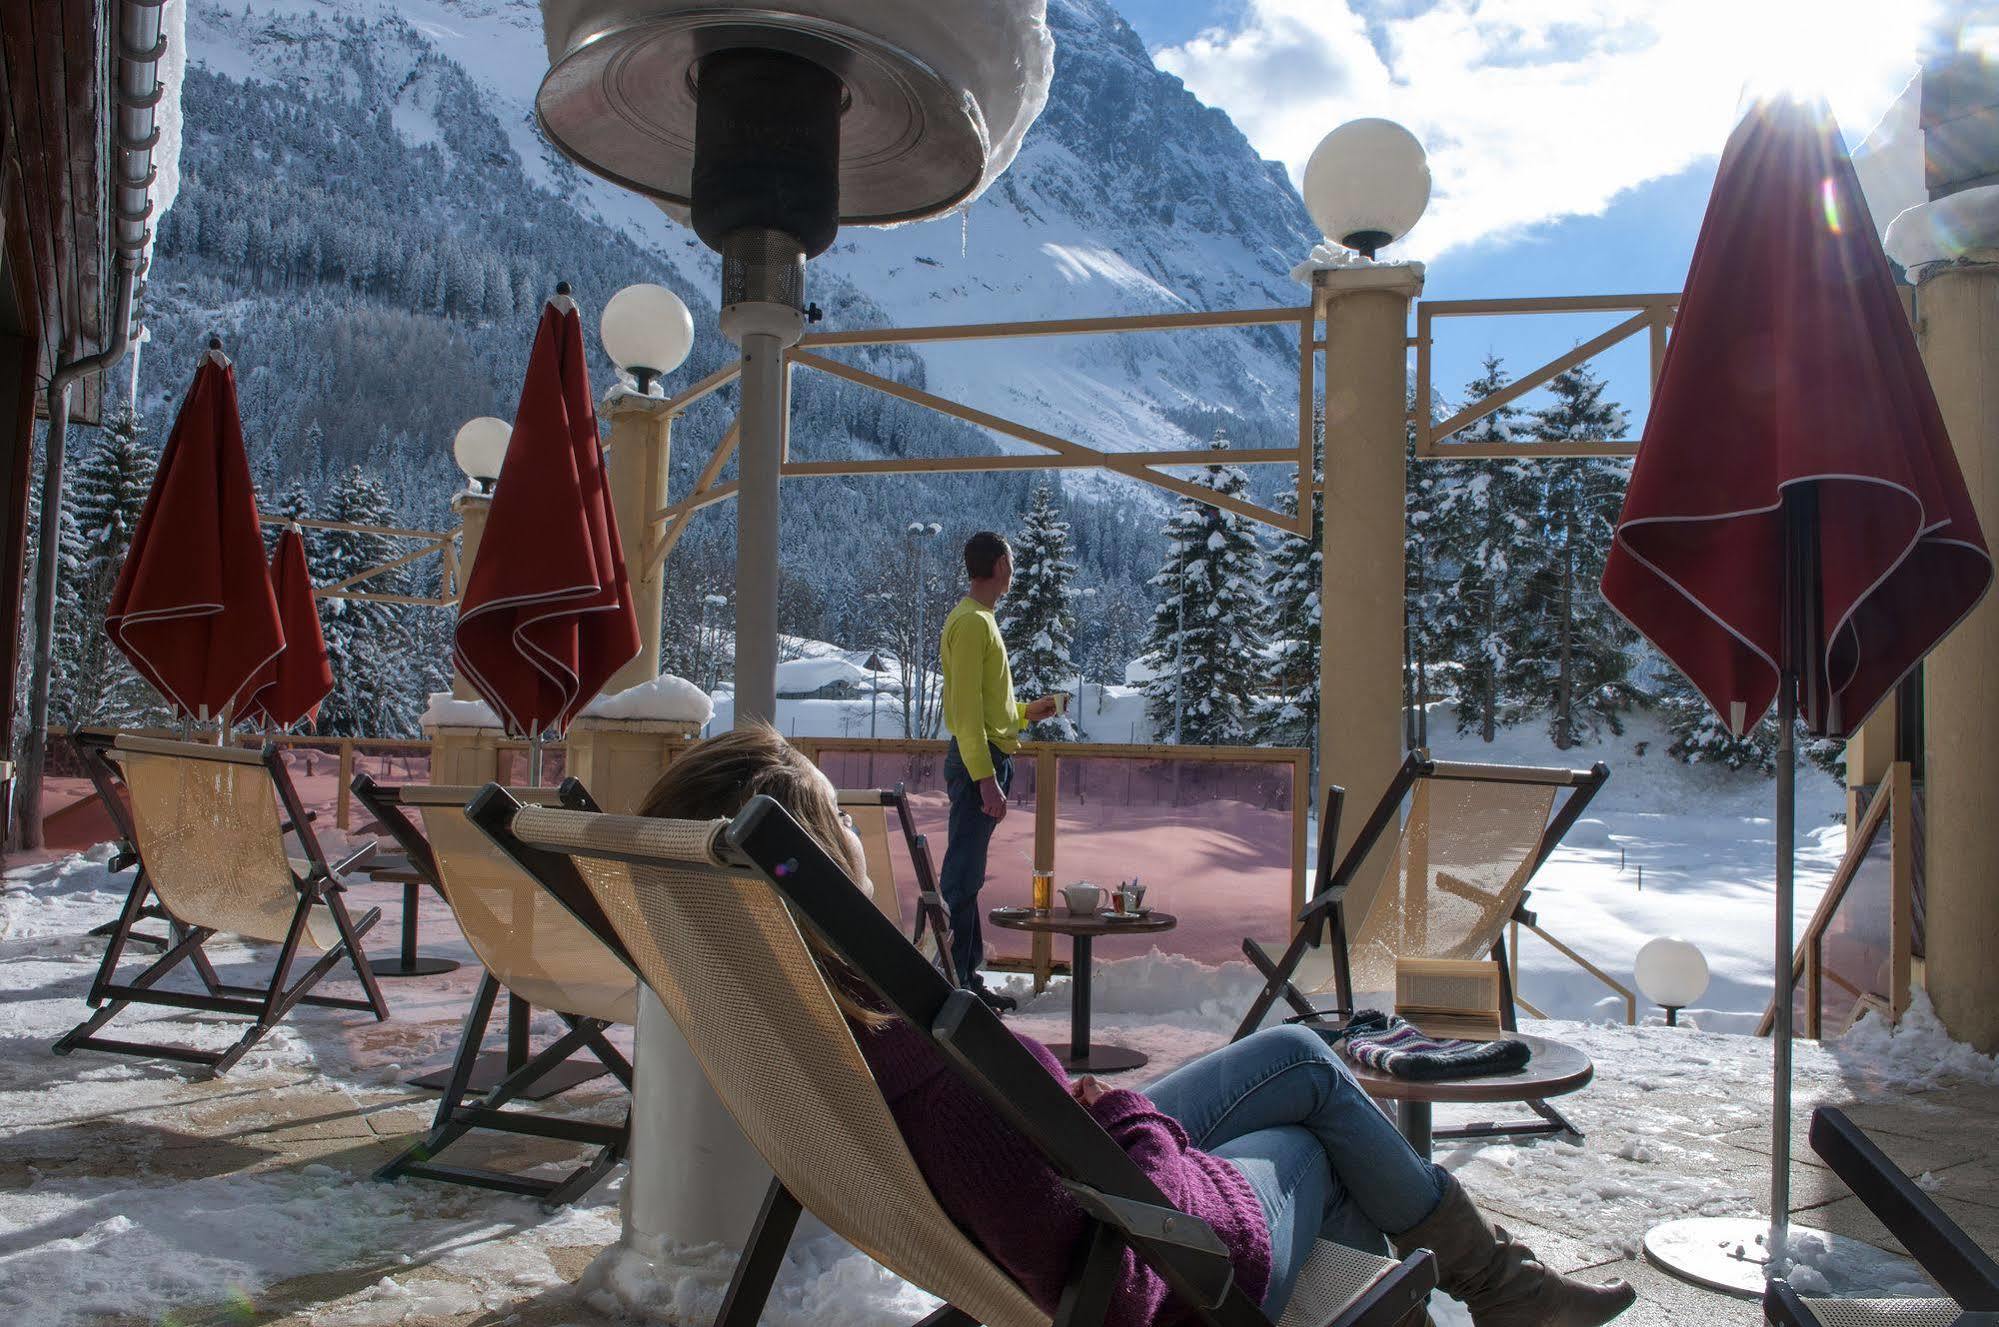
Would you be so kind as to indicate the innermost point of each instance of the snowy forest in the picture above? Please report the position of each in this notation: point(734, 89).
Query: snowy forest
point(1502, 613)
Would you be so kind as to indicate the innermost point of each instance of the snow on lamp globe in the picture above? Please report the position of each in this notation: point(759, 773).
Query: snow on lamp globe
point(1366, 184)
point(1673, 974)
point(647, 333)
point(481, 449)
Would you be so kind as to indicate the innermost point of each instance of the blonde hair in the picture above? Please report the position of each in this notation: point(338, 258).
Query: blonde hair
point(716, 778)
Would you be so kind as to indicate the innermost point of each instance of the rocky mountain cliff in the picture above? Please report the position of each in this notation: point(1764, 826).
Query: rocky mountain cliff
point(371, 219)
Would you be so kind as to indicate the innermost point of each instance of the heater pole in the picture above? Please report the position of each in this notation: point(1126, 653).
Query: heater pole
point(766, 403)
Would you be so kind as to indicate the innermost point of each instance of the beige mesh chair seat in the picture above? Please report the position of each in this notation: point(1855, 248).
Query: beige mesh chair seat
point(1455, 872)
point(709, 914)
point(1965, 1273)
point(532, 947)
point(208, 827)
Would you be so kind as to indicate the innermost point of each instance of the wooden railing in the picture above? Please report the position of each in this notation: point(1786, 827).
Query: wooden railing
point(1651, 314)
point(1893, 806)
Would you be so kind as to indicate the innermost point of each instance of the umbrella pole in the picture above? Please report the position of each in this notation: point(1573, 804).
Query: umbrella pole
point(1781, 1027)
point(534, 758)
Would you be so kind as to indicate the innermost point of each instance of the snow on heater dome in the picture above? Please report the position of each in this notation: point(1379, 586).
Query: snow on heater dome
point(938, 93)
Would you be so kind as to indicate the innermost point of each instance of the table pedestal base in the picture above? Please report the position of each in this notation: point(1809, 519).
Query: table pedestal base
point(1731, 1254)
point(418, 967)
point(1098, 1059)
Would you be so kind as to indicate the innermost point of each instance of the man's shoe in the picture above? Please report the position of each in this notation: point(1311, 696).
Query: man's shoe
point(999, 1004)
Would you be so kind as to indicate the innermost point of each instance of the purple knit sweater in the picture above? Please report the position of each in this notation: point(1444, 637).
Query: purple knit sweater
point(1005, 1195)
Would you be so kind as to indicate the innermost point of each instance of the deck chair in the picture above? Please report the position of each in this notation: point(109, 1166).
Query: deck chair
point(1966, 1274)
point(209, 825)
point(710, 915)
point(534, 949)
point(1463, 859)
point(869, 808)
point(117, 803)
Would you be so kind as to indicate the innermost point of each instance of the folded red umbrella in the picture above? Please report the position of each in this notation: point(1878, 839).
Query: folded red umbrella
point(1796, 527)
point(1792, 367)
point(547, 614)
point(291, 687)
point(193, 609)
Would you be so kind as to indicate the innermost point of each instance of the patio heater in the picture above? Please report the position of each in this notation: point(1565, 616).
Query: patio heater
point(766, 127)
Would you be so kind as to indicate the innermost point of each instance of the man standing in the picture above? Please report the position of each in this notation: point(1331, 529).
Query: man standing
point(985, 722)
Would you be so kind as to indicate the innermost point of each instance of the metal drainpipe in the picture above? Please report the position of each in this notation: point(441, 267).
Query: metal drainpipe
point(140, 45)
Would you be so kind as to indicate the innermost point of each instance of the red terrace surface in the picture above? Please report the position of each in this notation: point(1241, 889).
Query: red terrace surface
point(1213, 849)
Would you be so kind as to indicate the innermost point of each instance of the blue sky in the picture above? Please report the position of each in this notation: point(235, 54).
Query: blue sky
point(1572, 142)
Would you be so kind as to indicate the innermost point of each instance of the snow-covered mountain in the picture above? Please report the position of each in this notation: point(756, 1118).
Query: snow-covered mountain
point(371, 220)
point(1129, 196)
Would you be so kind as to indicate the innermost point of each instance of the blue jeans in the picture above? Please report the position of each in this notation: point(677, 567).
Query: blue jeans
point(1281, 1107)
point(964, 871)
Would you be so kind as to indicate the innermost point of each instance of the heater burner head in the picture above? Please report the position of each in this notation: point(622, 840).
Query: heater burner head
point(620, 101)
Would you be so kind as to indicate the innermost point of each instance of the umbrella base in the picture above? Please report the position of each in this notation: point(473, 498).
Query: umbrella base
point(1729, 1254)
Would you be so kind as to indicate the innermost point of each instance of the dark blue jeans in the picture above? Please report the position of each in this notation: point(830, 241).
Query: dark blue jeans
point(964, 871)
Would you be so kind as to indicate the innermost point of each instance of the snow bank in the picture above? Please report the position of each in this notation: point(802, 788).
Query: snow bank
point(665, 697)
point(1918, 1053)
point(800, 677)
point(447, 711)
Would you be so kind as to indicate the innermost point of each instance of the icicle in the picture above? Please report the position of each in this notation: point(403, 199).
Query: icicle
point(965, 230)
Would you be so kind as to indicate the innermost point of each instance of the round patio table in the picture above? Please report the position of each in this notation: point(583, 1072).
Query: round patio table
point(397, 869)
point(1077, 1053)
point(1554, 1070)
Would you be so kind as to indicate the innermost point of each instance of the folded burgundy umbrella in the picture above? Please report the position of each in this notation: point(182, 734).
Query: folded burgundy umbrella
point(547, 614)
point(1796, 529)
point(292, 686)
point(193, 608)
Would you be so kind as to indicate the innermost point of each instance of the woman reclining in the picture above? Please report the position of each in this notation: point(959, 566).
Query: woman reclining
point(1269, 1140)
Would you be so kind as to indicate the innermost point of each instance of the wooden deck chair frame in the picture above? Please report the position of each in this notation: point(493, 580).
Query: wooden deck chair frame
point(456, 1116)
point(1966, 1274)
point(320, 886)
point(1324, 916)
point(1124, 1208)
point(931, 914)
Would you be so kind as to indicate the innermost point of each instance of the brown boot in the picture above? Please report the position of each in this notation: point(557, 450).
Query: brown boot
point(1498, 1278)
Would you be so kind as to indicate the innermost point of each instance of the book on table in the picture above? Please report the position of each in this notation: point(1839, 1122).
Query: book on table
point(1448, 997)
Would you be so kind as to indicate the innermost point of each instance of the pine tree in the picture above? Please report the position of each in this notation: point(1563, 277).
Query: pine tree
point(377, 692)
point(1290, 715)
point(1700, 738)
point(1425, 595)
point(1485, 518)
point(1206, 644)
point(1038, 619)
point(95, 683)
point(1580, 647)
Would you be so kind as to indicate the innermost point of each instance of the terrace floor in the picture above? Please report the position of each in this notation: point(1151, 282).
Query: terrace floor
point(132, 1193)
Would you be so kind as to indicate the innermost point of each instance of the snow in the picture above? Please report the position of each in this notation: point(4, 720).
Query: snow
point(145, 1238)
point(666, 697)
point(800, 677)
point(1960, 227)
point(447, 711)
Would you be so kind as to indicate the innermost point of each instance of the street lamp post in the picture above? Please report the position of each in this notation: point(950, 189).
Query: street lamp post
point(711, 644)
point(1087, 592)
point(917, 532)
point(874, 689)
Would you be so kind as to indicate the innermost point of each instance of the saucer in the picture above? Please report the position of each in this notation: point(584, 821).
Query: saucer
point(1113, 915)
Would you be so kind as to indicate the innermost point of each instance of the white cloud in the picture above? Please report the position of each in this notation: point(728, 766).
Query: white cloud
point(1537, 109)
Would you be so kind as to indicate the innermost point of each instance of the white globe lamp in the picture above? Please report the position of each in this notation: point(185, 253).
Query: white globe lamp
point(647, 332)
point(481, 449)
point(1366, 184)
point(1672, 973)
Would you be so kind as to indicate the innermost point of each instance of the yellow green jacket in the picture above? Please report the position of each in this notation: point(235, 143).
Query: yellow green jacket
point(978, 687)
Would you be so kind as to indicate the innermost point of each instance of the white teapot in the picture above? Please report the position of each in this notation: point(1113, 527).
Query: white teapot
point(1083, 897)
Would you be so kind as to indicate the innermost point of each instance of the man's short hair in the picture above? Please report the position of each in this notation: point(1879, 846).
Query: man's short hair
point(983, 552)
